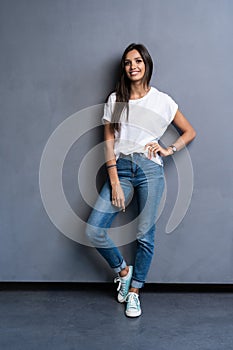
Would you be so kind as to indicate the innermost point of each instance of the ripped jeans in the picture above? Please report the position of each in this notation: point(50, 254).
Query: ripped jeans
point(145, 178)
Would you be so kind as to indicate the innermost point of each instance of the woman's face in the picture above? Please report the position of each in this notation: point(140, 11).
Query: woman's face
point(134, 66)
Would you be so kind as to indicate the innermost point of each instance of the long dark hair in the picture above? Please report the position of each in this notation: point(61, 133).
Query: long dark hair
point(123, 84)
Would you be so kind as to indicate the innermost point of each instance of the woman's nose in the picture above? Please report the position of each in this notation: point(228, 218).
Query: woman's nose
point(133, 65)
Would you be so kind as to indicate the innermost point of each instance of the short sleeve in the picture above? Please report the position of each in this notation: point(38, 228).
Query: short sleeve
point(171, 109)
point(108, 108)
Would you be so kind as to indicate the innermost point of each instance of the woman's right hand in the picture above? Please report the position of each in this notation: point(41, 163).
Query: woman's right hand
point(118, 197)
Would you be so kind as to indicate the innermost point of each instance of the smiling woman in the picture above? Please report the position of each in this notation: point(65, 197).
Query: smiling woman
point(134, 66)
point(136, 115)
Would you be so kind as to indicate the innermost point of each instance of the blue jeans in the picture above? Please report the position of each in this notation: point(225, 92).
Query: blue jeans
point(145, 178)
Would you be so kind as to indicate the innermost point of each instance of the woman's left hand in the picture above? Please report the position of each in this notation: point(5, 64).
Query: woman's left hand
point(154, 148)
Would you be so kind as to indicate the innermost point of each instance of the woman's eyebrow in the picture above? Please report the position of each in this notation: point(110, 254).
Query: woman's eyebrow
point(128, 60)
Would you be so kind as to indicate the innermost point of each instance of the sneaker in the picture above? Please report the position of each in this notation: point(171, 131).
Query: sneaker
point(124, 284)
point(133, 308)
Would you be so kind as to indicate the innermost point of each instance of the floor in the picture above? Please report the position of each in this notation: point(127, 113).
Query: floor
point(90, 318)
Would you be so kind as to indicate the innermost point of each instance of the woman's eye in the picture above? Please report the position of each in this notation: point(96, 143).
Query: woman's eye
point(127, 63)
point(139, 61)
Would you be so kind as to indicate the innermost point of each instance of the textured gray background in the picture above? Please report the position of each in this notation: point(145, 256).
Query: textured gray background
point(58, 57)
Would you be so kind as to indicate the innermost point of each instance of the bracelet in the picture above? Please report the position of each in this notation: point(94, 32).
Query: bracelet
point(111, 166)
point(173, 147)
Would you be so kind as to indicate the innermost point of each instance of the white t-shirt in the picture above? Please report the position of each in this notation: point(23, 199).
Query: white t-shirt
point(148, 119)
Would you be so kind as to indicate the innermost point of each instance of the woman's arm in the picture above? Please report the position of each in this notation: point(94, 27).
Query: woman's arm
point(118, 198)
point(109, 154)
point(188, 134)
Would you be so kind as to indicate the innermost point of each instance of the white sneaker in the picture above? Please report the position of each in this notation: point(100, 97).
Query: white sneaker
point(124, 284)
point(133, 308)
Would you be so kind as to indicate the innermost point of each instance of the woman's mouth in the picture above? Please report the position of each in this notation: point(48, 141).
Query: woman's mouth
point(134, 72)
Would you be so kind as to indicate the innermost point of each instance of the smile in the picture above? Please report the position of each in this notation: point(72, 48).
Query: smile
point(134, 72)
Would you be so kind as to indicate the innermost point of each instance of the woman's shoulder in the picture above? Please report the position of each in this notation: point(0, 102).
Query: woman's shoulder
point(158, 92)
point(111, 97)
point(161, 94)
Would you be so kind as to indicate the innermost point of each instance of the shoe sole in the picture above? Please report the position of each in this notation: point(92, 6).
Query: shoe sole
point(121, 301)
point(134, 315)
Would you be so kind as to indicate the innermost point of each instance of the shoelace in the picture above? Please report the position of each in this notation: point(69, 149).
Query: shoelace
point(133, 300)
point(121, 283)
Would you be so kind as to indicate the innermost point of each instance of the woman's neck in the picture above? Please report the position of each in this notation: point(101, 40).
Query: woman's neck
point(138, 91)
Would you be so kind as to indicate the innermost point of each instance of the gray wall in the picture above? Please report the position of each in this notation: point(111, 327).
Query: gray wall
point(59, 57)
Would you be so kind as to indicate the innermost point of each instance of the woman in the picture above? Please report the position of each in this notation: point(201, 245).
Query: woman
point(135, 117)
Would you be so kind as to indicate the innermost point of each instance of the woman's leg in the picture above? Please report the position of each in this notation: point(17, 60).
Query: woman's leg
point(149, 183)
point(149, 190)
point(100, 221)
